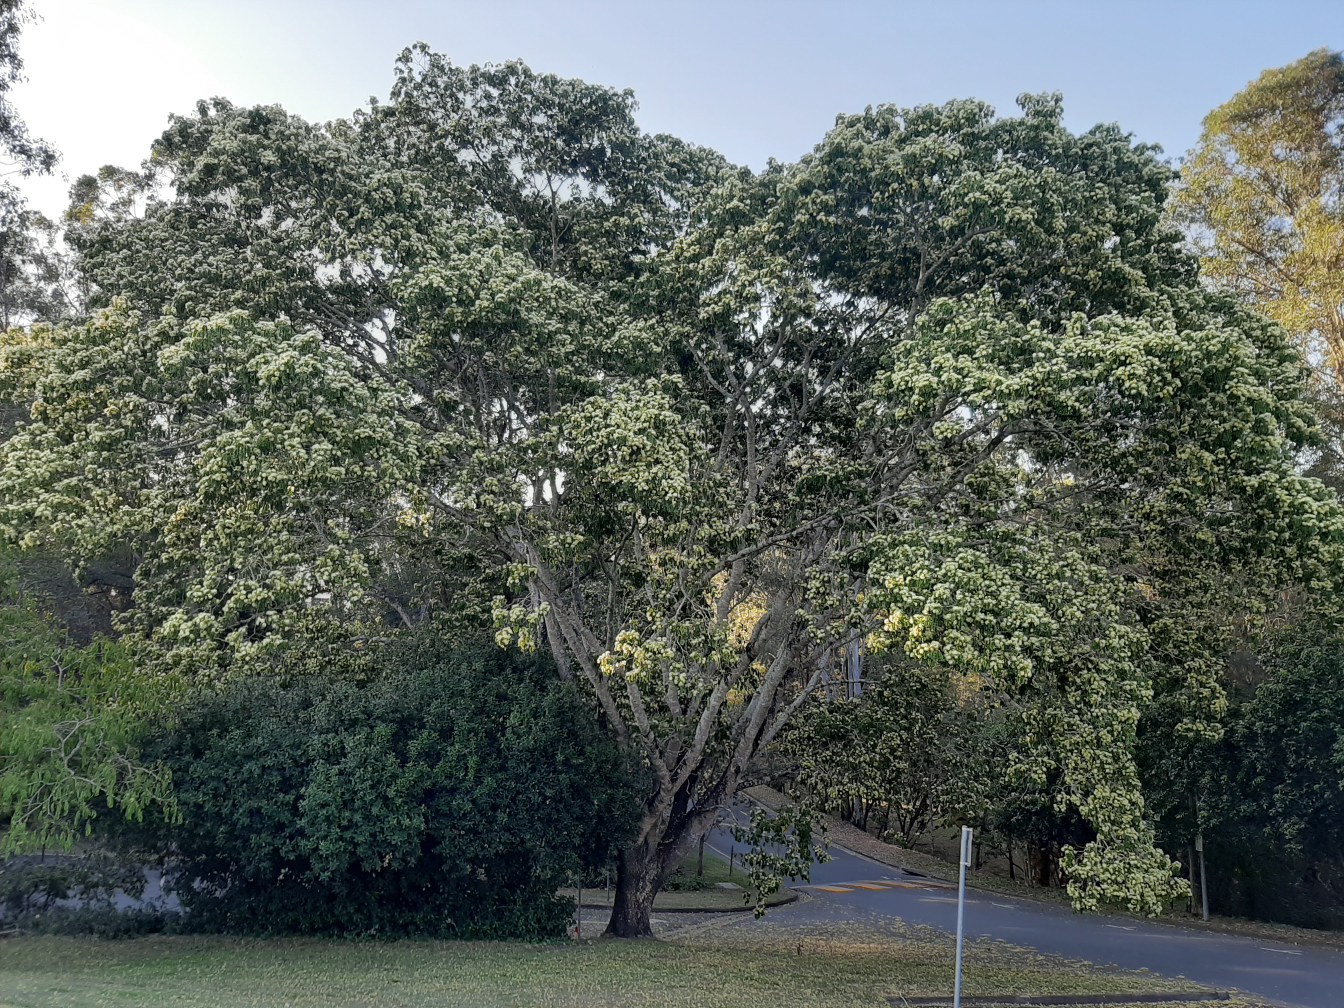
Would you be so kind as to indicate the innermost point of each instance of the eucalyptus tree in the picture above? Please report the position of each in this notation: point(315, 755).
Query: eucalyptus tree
point(946, 384)
point(20, 150)
point(36, 280)
point(1263, 194)
point(1260, 196)
point(22, 258)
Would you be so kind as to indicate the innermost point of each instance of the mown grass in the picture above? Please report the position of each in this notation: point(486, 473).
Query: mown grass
point(746, 967)
point(687, 890)
point(687, 874)
point(707, 900)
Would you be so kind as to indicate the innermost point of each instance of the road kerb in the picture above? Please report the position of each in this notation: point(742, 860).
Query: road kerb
point(1064, 1000)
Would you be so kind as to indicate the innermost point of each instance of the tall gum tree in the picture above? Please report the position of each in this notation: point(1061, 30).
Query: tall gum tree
point(29, 258)
point(947, 384)
point(1263, 196)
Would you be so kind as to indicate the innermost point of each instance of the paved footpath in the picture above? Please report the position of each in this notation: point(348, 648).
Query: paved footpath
point(1297, 975)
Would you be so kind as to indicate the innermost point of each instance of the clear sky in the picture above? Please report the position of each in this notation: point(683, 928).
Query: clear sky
point(752, 79)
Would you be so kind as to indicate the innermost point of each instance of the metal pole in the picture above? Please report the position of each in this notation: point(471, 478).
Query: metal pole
point(1203, 881)
point(966, 834)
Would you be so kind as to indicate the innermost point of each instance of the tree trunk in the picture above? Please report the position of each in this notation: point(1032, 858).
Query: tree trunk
point(861, 814)
point(1040, 866)
point(1047, 865)
point(643, 867)
point(639, 876)
point(1190, 877)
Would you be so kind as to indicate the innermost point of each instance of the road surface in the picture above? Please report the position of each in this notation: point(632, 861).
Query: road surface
point(1301, 976)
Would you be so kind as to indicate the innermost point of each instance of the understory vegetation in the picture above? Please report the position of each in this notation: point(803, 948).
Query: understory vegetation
point(408, 790)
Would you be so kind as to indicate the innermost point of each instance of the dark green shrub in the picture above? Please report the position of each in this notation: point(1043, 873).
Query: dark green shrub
point(37, 884)
point(684, 879)
point(422, 790)
point(1274, 789)
point(100, 921)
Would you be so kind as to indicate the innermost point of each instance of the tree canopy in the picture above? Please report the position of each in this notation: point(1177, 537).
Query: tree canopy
point(31, 275)
point(19, 150)
point(73, 715)
point(487, 351)
point(1262, 192)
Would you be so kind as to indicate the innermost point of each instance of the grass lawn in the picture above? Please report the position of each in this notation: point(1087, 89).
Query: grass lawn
point(709, 900)
point(716, 870)
point(679, 895)
point(741, 967)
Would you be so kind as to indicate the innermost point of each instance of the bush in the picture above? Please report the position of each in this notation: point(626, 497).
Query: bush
point(421, 791)
point(36, 884)
point(100, 921)
point(1274, 789)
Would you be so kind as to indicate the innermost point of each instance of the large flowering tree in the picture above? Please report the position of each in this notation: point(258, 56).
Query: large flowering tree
point(946, 385)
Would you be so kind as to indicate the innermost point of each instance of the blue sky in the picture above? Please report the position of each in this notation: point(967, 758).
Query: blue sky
point(752, 79)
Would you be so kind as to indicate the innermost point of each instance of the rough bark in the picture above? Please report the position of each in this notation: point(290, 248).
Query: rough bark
point(644, 865)
point(641, 871)
point(636, 886)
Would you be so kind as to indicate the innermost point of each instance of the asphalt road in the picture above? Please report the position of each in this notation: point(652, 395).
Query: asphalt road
point(1301, 976)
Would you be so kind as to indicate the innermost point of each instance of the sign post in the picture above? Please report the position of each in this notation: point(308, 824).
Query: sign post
point(1203, 881)
point(966, 834)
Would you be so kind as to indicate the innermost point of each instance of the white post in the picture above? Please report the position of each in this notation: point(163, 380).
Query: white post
point(966, 834)
point(1203, 880)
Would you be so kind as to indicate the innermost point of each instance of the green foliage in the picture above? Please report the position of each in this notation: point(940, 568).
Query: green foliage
point(1273, 788)
point(688, 876)
point(1174, 434)
point(103, 922)
point(410, 789)
point(947, 384)
point(1260, 198)
point(36, 282)
point(782, 844)
point(26, 153)
point(907, 205)
point(229, 463)
point(30, 263)
point(33, 890)
point(1261, 195)
point(1029, 815)
point(71, 719)
point(909, 750)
